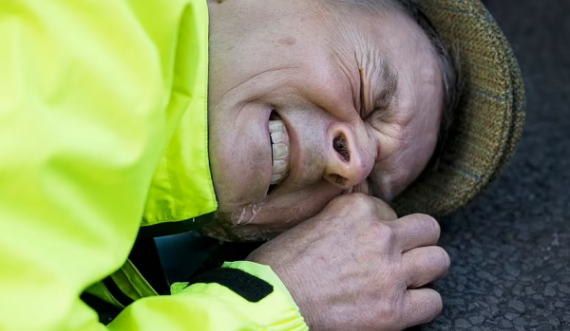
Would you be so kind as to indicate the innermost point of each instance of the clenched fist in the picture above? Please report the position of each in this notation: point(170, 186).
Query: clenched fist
point(356, 266)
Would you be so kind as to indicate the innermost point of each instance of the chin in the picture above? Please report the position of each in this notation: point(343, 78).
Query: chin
point(223, 230)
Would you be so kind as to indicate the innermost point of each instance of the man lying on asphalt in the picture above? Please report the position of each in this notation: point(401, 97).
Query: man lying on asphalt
point(291, 121)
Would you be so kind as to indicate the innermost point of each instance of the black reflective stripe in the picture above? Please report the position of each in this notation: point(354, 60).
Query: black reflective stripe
point(116, 292)
point(144, 256)
point(249, 287)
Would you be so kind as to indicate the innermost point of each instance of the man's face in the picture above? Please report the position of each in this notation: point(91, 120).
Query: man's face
point(354, 104)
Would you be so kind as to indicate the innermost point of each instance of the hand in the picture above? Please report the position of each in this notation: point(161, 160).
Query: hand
point(355, 266)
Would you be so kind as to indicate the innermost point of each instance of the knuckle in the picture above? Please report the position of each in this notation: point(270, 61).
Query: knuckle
point(339, 205)
point(351, 208)
point(349, 199)
point(384, 232)
point(361, 203)
point(390, 314)
point(385, 211)
point(366, 206)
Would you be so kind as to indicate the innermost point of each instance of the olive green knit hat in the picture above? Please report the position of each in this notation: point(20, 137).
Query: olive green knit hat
point(490, 115)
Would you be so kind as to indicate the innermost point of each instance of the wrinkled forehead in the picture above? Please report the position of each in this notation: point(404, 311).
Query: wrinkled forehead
point(390, 36)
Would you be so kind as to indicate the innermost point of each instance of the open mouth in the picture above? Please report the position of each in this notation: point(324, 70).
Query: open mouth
point(280, 150)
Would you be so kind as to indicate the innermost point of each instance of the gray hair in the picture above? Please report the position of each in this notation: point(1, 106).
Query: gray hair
point(448, 59)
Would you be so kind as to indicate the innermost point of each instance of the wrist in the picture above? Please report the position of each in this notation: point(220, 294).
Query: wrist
point(298, 286)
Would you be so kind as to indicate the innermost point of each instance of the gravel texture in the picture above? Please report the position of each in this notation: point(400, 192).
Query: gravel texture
point(510, 249)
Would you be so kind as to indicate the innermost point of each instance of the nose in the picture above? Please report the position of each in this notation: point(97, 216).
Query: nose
point(349, 157)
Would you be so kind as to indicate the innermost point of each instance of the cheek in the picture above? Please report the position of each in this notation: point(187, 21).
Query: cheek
point(406, 155)
point(235, 62)
point(419, 148)
point(287, 210)
point(424, 122)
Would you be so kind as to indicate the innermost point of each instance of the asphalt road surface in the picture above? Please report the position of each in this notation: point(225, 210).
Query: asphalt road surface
point(510, 249)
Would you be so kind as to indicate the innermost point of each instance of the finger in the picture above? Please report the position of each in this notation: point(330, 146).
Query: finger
point(421, 306)
point(425, 265)
point(383, 210)
point(372, 208)
point(417, 230)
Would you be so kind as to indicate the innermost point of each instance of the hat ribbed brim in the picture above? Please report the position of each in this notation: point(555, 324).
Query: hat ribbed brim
point(490, 116)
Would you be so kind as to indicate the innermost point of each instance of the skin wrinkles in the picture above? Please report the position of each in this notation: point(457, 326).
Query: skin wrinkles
point(379, 84)
point(389, 175)
point(315, 88)
point(354, 86)
point(246, 81)
point(379, 107)
point(383, 105)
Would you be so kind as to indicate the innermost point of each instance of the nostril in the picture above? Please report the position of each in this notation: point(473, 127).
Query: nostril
point(339, 180)
point(340, 145)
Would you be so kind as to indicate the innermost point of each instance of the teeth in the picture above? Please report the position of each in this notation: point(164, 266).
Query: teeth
point(280, 146)
point(280, 151)
point(276, 126)
point(277, 178)
point(278, 137)
point(279, 166)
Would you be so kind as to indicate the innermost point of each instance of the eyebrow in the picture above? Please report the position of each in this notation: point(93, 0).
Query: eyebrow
point(387, 89)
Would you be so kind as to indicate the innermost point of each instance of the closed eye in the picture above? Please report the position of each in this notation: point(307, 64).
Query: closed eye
point(362, 104)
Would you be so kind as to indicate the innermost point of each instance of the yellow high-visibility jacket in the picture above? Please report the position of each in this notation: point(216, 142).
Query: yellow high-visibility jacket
point(103, 130)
